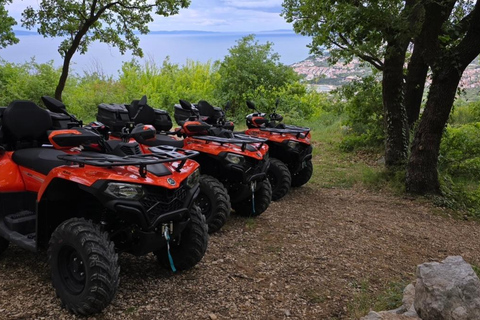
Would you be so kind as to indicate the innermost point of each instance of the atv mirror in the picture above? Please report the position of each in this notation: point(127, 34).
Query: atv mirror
point(250, 105)
point(185, 104)
point(277, 102)
point(227, 106)
point(143, 101)
point(54, 105)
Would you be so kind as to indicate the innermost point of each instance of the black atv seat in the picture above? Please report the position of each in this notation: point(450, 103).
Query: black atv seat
point(41, 160)
point(25, 124)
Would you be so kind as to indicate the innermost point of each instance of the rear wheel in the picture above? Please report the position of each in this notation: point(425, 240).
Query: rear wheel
point(263, 197)
point(3, 244)
point(214, 202)
point(303, 176)
point(279, 177)
point(189, 248)
point(84, 266)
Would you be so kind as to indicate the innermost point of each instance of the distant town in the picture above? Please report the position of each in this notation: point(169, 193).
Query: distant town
point(324, 77)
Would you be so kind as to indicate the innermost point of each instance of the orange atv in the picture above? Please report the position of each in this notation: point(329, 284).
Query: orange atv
point(240, 163)
point(285, 148)
point(290, 144)
point(85, 207)
point(213, 198)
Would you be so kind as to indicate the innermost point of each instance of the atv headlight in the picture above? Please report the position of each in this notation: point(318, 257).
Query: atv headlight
point(292, 144)
point(193, 179)
point(124, 190)
point(235, 158)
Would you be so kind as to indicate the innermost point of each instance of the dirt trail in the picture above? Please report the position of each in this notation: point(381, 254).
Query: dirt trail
point(304, 258)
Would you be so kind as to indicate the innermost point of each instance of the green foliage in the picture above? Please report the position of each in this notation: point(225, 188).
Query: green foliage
point(459, 165)
point(165, 85)
point(7, 36)
point(364, 110)
point(345, 28)
point(465, 113)
point(252, 71)
point(460, 151)
point(27, 81)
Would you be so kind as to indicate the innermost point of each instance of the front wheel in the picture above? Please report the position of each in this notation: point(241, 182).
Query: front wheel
point(263, 197)
point(189, 248)
point(84, 266)
point(303, 176)
point(279, 177)
point(214, 202)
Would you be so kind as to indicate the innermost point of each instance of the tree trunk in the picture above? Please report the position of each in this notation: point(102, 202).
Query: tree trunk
point(63, 77)
point(416, 76)
point(422, 174)
point(447, 67)
point(396, 125)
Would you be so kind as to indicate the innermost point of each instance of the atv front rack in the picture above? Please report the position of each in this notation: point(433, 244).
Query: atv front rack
point(288, 129)
point(159, 154)
point(241, 139)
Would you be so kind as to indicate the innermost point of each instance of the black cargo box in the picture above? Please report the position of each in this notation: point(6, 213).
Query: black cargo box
point(61, 121)
point(181, 114)
point(115, 116)
point(162, 121)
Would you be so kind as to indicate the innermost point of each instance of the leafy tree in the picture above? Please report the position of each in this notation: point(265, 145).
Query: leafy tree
point(445, 37)
point(252, 70)
point(377, 32)
point(7, 36)
point(81, 22)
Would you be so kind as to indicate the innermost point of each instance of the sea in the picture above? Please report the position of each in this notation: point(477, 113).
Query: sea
point(178, 46)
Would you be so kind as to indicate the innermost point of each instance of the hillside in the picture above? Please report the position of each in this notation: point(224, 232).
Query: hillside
point(318, 72)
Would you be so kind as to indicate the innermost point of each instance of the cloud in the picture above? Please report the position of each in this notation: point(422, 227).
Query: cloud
point(274, 6)
point(207, 15)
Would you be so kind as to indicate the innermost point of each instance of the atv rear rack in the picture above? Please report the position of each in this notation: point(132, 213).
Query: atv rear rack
point(242, 139)
point(159, 154)
point(288, 129)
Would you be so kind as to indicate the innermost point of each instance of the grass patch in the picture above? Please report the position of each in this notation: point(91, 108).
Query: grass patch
point(366, 299)
point(250, 223)
point(334, 168)
point(313, 297)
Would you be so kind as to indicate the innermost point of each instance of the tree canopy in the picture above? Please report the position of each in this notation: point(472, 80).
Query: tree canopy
point(82, 22)
point(7, 36)
point(252, 69)
point(445, 38)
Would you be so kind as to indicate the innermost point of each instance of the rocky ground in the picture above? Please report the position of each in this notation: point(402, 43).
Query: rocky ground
point(304, 258)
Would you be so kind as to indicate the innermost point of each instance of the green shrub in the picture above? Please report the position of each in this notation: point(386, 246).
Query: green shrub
point(460, 151)
point(364, 111)
point(27, 81)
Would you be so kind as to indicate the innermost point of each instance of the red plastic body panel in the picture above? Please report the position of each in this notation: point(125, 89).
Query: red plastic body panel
point(215, 148)
point(14, 178)
point(277, 137)
point(10, 177)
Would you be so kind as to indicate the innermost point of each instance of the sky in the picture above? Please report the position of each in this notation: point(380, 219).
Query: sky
point(206, 15)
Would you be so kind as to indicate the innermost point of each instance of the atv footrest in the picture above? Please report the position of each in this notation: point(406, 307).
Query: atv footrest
point(22, 222)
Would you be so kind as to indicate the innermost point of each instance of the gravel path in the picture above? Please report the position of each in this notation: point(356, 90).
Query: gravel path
point(304, 258)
